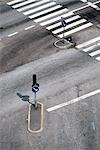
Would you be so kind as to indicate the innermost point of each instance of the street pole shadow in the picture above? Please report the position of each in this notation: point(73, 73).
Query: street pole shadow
point(23, 97)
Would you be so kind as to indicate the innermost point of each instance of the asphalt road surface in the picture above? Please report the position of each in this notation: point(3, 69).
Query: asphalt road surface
point(64, 75)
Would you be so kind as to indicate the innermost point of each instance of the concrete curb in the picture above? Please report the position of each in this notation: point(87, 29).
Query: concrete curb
point(67, 44)
point(29, 119)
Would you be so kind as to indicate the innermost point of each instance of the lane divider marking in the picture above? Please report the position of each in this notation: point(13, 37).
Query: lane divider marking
point(29, 27)
point(74, 100)
point(12, 34)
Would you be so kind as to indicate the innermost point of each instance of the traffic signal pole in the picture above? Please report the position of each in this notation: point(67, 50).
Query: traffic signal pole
point(63, 34)
point(35, 100)
point(35, 89)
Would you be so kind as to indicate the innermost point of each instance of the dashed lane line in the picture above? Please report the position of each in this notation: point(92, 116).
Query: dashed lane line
point(12, 34)
point(27, 28)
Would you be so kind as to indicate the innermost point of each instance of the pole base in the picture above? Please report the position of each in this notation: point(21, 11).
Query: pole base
point(62, 43)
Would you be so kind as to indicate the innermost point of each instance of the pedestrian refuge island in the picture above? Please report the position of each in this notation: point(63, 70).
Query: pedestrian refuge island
point(35, 118)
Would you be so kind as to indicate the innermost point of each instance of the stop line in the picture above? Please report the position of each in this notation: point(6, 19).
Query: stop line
point(47, 13)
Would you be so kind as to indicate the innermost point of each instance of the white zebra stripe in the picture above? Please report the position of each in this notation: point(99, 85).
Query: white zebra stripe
point(39, 8)
point(13, 2)
point(51, 15)
point(76, 29)
point(45, 11)
point(98, 58)
point(56, 18)
point(23, 3)
point(94, 53)
point(88, 42)
point(32, 5)
point(89, 48)
point(59, 23)
point(70, 26)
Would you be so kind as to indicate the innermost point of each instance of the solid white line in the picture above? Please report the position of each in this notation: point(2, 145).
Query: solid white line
point(69, 26)
point(29, 27)
point(76, 29)
point(45, 11)
point(32, 5)
point(12, 34)
point(94, 53)
point(51, 15)
point(93, 5)
point(98, 58)
point(59, 23)
point(56, 18)
point(88, 42)
point(96, 2)
point(80, 8)
point(74, 100)
point(23, 3)
point(13, 2)
point(91, 47)
point(39, 8)
point(84, 1)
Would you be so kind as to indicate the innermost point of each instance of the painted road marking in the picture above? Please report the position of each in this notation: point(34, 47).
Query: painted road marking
point(76, 29)
point(39, 8)
point(80, 8)
point(94, 53)
point(69, 26)
point(96, 2)
point(23, 3)
point(59, 23)
point(84, 1)
point(13, 2)
point(98, 58)
point(51, 15)
point(56, 18)
point(87, 5)
point(89, 48)
point(88, 42)
point(32, 5)
point(93, 5)
point(29, 27)
point(45, 11)
point(12, 34)
point(74, 100)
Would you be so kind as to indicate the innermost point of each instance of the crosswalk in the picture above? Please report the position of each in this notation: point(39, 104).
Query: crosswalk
point(47, 13)
point(92, 47)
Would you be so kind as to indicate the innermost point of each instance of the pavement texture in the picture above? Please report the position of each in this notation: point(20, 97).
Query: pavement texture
point(63, 75)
